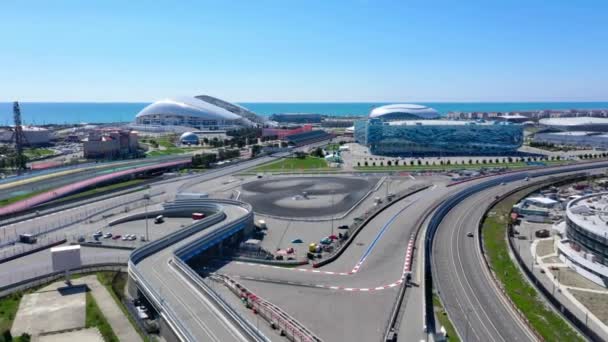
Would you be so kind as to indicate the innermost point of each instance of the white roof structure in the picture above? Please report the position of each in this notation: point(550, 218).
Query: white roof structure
point(590, 213)
point(402, 110)
point(187, 107)
point(541, 200)
point(575, 121)
point(438, 123)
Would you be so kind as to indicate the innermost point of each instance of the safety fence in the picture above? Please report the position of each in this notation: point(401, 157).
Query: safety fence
point(454, 200)
point(52, 276)
point(275, 316)
point(362, 221)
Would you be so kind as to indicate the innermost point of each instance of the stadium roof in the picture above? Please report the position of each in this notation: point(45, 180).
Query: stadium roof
point(439, 123)
point(188, 107)
point(422, 112)
point(575, 121)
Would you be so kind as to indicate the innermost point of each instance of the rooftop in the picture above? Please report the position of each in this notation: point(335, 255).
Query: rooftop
point(439, 123)
point(575, 121)
point(590, 212)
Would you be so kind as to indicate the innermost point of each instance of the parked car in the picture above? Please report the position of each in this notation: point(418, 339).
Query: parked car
point(116, 237)
point(142, 238)
point(470, 234)
point(107, 235)
point(81, 239)
point(97, 235)
point(159, 219)
point(125, 238)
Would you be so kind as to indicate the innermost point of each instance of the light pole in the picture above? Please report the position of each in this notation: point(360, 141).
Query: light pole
point(147, 198)
point(332, 213)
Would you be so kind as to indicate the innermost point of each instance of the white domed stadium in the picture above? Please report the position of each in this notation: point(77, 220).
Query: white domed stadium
point(200, 112)
point(581, 123)
point(189, 138)
point(403, 112)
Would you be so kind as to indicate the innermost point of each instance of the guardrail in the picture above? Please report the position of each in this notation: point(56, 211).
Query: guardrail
point(355, 231)
point(230, 227)
point(546, 293)
point(452, 201)
point(47, 278)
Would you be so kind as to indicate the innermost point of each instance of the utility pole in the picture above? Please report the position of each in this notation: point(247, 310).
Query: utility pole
point(147, 198)
point(332, 213)
point(18, 138)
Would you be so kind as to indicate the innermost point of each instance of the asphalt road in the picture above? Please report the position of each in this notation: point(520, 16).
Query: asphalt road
point(193, 309)
point(470, 296)
point(336, 305)
point(275, 196)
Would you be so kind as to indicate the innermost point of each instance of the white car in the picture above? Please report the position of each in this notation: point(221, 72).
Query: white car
point(125, 237)
point(141, 312)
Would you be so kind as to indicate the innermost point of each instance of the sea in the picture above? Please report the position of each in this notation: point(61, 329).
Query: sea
point(42, 113)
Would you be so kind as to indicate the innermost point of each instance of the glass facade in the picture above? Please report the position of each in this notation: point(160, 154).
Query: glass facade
point(441, 138)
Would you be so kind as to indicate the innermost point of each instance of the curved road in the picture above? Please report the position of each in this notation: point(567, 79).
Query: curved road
point(475, 305)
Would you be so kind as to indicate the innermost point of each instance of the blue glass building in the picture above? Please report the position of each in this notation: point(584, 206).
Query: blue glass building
point(436, 137)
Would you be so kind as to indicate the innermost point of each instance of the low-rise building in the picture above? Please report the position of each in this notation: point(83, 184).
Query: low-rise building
point(110, 144)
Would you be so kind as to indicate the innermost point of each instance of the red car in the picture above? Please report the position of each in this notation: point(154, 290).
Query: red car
point(115, 237)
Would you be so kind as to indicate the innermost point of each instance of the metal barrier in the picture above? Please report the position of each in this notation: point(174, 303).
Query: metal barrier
point(166, 311)
point(454, 200)
point(47, 278)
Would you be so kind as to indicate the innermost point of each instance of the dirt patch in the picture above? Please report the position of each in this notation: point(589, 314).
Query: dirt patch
point(595, 302)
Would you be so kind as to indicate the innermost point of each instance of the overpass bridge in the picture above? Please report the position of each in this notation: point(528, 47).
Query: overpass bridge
point(188, 308)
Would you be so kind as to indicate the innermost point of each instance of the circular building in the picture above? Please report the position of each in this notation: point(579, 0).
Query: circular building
point(189, 138)
point(201, 112)
point(586, 247)
point(403, 112)
point(581, 123)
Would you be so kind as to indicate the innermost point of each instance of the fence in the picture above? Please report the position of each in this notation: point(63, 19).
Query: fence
point(52, 276)
point(452, 201)
point(275, 316)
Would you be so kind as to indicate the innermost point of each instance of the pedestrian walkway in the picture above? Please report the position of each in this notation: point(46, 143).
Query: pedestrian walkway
point(120, 324)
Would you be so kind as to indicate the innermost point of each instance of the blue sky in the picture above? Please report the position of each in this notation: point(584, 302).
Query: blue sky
point(314, 50)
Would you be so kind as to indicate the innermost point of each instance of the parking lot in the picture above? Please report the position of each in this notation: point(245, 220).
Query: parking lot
point(115, 235)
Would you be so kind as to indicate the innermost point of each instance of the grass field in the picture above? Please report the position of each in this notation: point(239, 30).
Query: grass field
point(115, 283)
point(91, 192)
point(95, 318)
point(8, 310)
point(444, 320)
point(294, 164)
point(35, 153)
point(18, 198)
point(545, 321)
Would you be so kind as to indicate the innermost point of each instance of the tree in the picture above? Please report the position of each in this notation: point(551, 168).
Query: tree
point(318, 152)
point(255, 150)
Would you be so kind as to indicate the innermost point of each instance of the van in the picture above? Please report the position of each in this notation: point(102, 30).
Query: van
point(159, 219)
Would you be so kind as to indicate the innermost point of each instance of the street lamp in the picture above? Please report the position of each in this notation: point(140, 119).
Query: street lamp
point(147, 198)
point(332, 213)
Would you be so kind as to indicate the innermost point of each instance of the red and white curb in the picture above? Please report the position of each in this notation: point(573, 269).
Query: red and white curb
point(407, 267)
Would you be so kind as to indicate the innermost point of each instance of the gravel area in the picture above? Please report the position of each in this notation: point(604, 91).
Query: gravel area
point(595, 302)
point(569, 277)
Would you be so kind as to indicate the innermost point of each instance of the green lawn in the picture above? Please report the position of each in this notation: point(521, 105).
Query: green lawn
point(8, 310)
point(294, 164)
point(94, 191)
point(35, 153)
point(95, 318)
point(115, 283)
point(444, 320)
point(18, 198)
point(545, 321)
